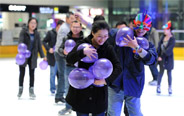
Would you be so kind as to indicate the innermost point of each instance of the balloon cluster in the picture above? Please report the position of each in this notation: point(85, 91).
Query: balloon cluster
point(81, 78)
point(87, 59)
point(23, 53)
point(69, 45)
point(123, 32)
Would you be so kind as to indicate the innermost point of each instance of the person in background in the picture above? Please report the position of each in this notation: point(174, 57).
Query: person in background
point(113, 32)
point(31, 38)
point(166, 56)
point(75, 34)
point(154, 38)
point(93, 99)
point(131, 23)
point(49, 43)
point(60, 60)
point(129, 85)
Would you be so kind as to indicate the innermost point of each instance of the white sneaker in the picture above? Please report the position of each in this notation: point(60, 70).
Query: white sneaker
point(153, 83)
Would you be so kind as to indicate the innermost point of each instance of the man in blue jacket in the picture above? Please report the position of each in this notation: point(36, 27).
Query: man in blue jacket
point(129, 85)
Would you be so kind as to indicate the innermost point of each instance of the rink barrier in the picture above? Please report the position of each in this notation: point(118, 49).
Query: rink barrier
point(11, 51)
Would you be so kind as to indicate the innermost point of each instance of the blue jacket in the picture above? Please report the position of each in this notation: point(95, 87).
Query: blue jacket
point(132, 77)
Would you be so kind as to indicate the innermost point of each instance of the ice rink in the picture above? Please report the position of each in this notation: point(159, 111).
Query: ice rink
point(44, 105)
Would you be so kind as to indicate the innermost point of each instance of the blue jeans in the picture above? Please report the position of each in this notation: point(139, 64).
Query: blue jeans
point(82, 114)
point(115, 103)
point(68, 70)
point(61, 63)
point(53, 73)
point(154, 71)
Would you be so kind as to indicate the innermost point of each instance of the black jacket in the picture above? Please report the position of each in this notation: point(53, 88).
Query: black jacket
point(92, 99)
point(49, 42)
point(167, 53)
point(37, 46)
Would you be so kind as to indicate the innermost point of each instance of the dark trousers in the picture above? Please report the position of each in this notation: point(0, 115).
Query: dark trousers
point(154, 71)
point(22, 74)
point(161, 75)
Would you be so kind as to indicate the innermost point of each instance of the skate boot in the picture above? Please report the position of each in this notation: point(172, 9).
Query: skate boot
point(158, 90)
point(64, 111)
point(31, 93)
point(170, 91)
point(20, 91)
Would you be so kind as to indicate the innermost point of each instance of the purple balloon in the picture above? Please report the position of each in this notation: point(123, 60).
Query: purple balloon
point(20, 59)
point(69, 45)
point(22, 48)
point(27, 54)
point(80, 78)
point(43, 65)
point(143, 42)
point(87, 59)
point(122, 33)
point(102, 68)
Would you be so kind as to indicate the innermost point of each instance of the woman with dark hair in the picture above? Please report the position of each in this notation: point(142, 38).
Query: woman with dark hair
point(31, 38)
point(165, 56)
point(93, 99)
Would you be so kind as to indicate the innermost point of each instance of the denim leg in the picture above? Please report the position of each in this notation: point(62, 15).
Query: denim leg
point(53, 72)
point(68, 106)
point(115, 102)
point(160, 75)
point(169, 74)
point(60, 61)
point(68, 70)
point(133, 105)
point(154, 71)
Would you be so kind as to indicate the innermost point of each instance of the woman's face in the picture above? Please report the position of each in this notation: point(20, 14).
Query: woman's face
point(140, 32)
point(32, 24)
point(167, 31)
point(100, 36)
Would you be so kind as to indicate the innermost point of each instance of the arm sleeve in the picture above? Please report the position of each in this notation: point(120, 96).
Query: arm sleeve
point(40, 47)
point(46, 40)
point(62, 32)
point(116, 66)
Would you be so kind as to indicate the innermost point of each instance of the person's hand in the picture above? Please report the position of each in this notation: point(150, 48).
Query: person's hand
point(45, 58)
point(130, 42)
point(159, 59)
point(89, 52)
point(51, 50)
point(65, 52)
point(100, 82)
point(78, 16)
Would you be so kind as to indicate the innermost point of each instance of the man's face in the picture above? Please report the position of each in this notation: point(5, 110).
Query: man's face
point(70, 19)
point(76, 28)
point(121, 26)
point(140, 32)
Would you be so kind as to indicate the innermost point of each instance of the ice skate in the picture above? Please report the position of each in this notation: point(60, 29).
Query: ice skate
point(64, 112)
point(20, 91)
point(31, 93)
